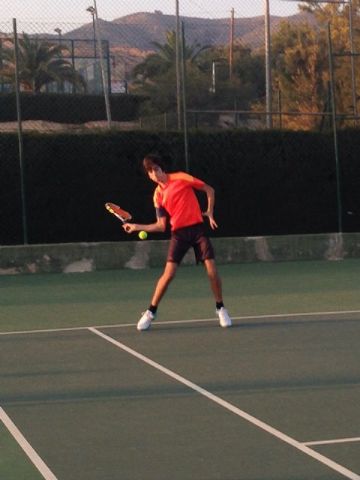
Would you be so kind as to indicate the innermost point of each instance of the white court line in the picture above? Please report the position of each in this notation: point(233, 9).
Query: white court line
point(25, 445)
point(336, 440)
point(185, 321)
point(241, 413)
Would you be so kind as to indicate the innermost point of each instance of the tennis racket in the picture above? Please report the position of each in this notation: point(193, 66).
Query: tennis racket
point(119, 213)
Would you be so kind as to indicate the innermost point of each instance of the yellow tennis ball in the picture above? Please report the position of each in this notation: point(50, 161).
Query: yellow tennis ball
point(142, 235)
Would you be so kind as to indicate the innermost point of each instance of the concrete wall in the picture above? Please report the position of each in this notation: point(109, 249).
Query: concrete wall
point(87, 257)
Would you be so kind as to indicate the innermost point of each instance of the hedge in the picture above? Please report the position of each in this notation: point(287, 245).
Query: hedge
point(267, 183)
point(69, 108)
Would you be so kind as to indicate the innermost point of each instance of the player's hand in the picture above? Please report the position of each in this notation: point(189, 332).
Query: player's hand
point(211, 218)
point(129, 227)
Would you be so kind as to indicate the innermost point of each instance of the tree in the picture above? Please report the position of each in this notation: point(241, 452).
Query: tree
point(301, 72)
point(311, 46)
point(40, 63)
point(164, 60)
point(155, 77)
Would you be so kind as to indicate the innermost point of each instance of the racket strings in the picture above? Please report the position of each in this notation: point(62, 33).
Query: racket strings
point(116, 210)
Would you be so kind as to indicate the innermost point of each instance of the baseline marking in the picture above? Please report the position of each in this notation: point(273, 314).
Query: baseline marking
point(336, 440)
point(25, 445)
point(237, 411)
point(193, 320)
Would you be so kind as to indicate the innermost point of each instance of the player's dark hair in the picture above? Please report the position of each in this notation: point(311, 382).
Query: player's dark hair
point(153, 159)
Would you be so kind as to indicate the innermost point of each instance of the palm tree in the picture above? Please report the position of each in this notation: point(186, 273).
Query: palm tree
point(160, 63)
point(40, 63)
point(155, 77)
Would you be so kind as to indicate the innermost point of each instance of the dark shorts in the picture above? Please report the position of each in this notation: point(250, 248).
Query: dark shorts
point(184, 238)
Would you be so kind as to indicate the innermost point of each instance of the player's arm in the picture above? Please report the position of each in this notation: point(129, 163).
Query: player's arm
point(210, 194)
point(158, 226)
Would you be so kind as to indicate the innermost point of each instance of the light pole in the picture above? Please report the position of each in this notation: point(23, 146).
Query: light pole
point(92, 12)
point(105, 84)
point(58, 31)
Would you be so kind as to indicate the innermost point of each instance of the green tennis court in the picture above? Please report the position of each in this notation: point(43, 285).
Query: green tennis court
point(86, 396)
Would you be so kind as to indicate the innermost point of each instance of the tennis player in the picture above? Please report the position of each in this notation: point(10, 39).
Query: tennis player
point(174, 198)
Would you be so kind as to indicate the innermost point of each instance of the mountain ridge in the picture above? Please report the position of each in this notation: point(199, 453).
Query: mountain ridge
point(141, 29)
point(132, 37)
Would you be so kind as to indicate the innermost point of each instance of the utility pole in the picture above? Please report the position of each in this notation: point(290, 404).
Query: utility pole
point(178, 67)
point(352, 59)
point(268, 66)
point(184, 109)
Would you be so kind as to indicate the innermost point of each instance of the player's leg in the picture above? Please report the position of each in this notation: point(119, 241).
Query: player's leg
point(214, 278)
point(204, 252)
point(163, 282)
point(161, 286)
point(178, 247)
point(216, 287)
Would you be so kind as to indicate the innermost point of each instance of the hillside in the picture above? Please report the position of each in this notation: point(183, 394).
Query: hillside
point(140, 30)
point(131, 37)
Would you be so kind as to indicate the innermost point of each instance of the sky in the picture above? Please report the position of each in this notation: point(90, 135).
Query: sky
point(74, 11)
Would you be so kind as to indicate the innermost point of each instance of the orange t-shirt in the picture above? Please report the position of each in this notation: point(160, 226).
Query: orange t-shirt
point(178, 198)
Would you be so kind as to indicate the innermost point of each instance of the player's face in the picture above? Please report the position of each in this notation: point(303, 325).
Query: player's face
point(156, 174)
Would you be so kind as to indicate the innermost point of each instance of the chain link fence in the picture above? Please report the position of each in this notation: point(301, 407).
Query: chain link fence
point(196, 58)
point(175, 66)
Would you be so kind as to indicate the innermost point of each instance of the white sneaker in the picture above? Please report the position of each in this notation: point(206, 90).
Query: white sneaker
point(145, 321)
point(224, 319)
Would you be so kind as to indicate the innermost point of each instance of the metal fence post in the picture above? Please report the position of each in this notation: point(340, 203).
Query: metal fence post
point(336, 149)
point(20, 135)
